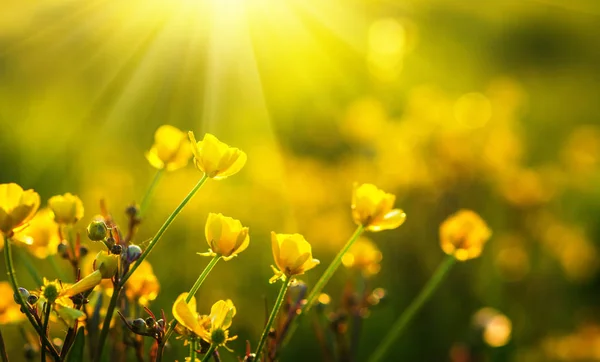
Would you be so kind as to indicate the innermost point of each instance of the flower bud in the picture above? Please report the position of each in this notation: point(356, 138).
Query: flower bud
point(150, 322)
point(132, 211)
point(50, 292)
point(63, 250)
point(32, 299)
point(133, 253)
point(97, 230)
point(107, 264)
point(24, 294)
point(139, 325)
point(83, 251)
point(67, 208)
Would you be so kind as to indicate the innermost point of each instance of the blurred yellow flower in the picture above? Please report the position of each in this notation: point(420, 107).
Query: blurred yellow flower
point(67, 208)
point(10, 312)
point(143, 286)
point(171, 149)
point(292, 254)
point(463, 235)
point(225, 236)
point(215, 158)
point(185, 314)
point(364, 256)
point(17, 207)
point(496, 327)
point(372, 208)
point(41, 236)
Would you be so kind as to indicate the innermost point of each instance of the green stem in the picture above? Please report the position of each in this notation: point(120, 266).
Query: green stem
point(3, 353)
point(15, 285)
point(274, 312)
point(47, 309)
point(163, 228)
point(107, 319)
point(26, 259)
point(150, 191)
point(314, 294)
point(209, 353)
point(59, 272)
point(193, 351)
point(405, 318)
point(191, 294)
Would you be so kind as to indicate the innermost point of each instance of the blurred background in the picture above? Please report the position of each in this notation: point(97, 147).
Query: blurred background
point(447, 104)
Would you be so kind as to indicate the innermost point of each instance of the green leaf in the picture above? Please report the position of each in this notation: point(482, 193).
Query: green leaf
point(77, 350)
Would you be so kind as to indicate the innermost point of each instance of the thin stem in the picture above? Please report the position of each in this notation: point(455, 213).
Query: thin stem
point(47, 309)
point(314, 294)
point(25, 307)
point(59, 272)
point(107, 319)
point(191, 294)
point(26, 259)
point(150, 191)
point(276, 307)
point(163, 228)
point(3, 353)
point(209, 353)
point(193, 351)
point(401, 323)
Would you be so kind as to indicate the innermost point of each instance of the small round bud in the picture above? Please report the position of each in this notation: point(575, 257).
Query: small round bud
point(51, 292)
point(218, 336)
point(139, 325)
point(161, 323)
point(150, 322)
point(97, 230)
point(133, 253)
point(32, 299)
point(63, 250)
point(132, 210)
point(83, 250)
point(116, 249)
point(24, 294)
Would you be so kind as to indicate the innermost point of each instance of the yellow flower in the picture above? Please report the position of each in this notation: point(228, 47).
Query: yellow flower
point(105, 268)
point(363, 255)
point(17, 207)
point(41, 237)
point(185, 314)
point(171, 149)
point(225, 236)
point(372, 208)
point(10, 312)
point(463, 235)
point(292, 254)
point(215, 158)
point(63, 306)
point(220, 317)
point(143, 286)
point(67, 208)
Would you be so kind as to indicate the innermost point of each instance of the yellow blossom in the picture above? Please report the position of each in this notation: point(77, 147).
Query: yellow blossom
point(17, 207)
point(225, 236)
point(67, 208)
point(41, 236)
point(363, 255)
point(463, 235)
point(171, 149)
point(372, 208)
point(292, 254)
point(220, 317)
point(62, 305)
point(186, 316)
point(143, 286)
point(215, 158)
point(10, 312)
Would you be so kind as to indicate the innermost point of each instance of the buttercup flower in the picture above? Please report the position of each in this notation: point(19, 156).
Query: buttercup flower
point(10, 312)
point(143, 286)
point(215, 158)
point(105, 268)
point(225, 236)
point(17, 207)
point(171, 149)
point(220, 317)
point(463, 235)
point(363, 255)
point(372, 208)
point(187, 317)
point(41, 236)
point(63, 306)
point(67, 208)
point(292, 254)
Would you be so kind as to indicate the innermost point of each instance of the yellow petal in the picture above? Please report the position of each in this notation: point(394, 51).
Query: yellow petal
point(185, 313)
